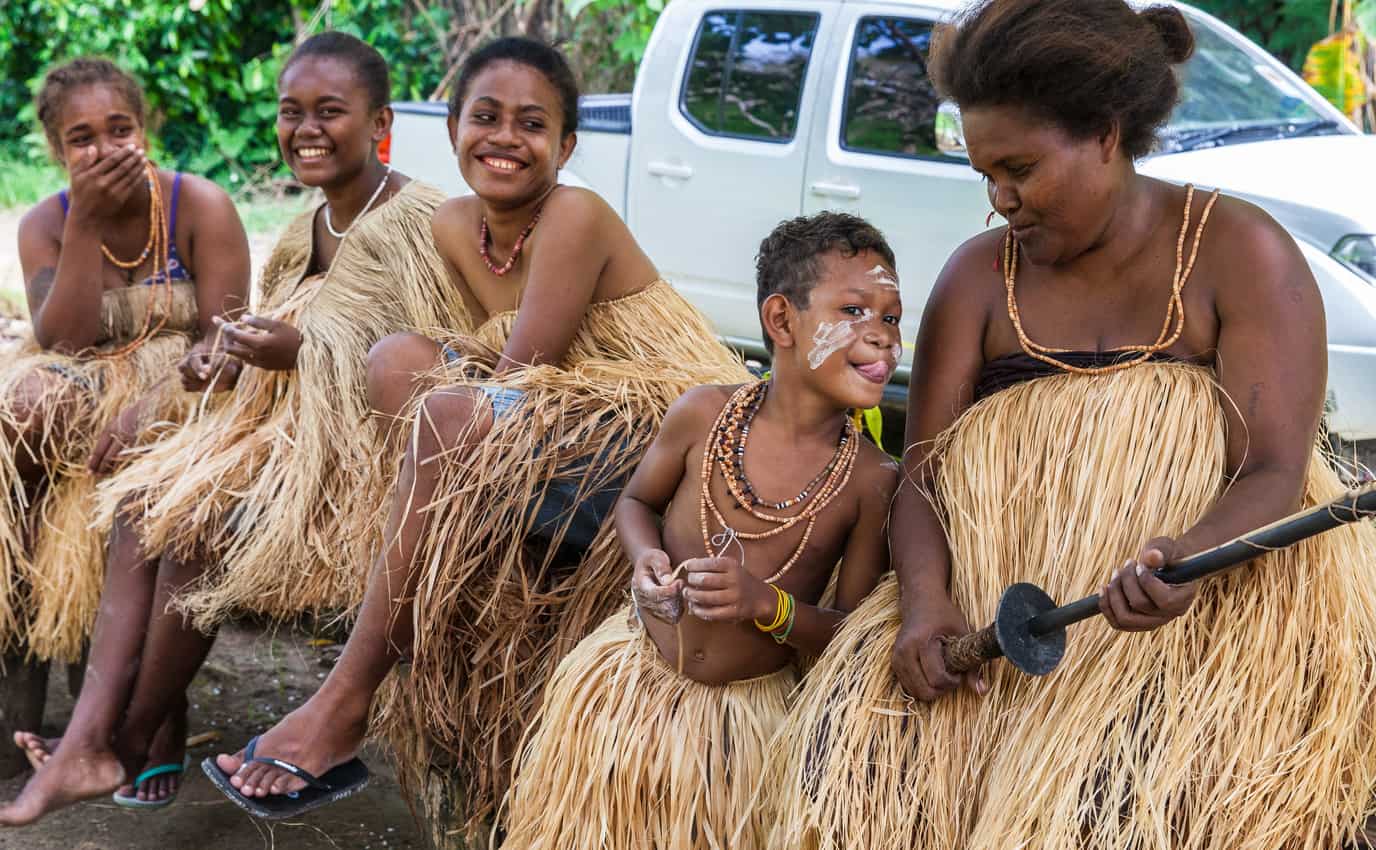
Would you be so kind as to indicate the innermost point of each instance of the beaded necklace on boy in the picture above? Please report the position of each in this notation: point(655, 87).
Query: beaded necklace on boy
point(726, 448)
point(1175, 308)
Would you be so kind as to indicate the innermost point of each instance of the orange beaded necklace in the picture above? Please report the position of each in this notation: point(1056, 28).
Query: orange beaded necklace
point(726, 449)
point(158, 247)
point(1175, 309)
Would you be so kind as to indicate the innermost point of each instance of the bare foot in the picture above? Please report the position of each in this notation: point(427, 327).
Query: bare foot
point(37, 749)
point(319, 735)
point(72, 773)
point(168, 747)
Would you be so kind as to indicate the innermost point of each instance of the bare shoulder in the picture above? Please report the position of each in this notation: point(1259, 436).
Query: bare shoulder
point(1252, 260)
point(972, 277)
point(202, 192)
point(577, 202)
point(450, 222)
point(43, 220)
point(699, 406)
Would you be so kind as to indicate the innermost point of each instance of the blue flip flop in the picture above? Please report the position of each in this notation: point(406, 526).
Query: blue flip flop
point(133, 802)
point(337, 783)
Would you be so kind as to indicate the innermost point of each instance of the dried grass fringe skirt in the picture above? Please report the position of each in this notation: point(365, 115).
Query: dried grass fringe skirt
point(279, 483)
point(626, 754)
point(1246, 725)
point(494, 615)
point(52, 553)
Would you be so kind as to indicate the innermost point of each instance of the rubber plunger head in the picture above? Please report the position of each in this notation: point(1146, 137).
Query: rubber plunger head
point(1035, 655)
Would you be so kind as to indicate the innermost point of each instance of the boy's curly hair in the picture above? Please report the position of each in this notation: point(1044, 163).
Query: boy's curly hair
point(787, 263)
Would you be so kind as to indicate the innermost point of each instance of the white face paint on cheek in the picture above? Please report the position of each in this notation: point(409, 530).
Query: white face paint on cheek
point(881, 276)
point(831, 337)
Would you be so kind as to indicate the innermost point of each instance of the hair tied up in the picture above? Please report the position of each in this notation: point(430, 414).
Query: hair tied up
point(1173, 30)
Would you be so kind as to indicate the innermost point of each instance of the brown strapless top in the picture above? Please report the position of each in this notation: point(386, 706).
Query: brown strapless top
point(1013, 369)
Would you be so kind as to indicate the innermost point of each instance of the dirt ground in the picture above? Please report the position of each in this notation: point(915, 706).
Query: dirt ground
point(251, 679)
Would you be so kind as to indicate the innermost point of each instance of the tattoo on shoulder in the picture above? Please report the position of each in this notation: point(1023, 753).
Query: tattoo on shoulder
point(42, 283)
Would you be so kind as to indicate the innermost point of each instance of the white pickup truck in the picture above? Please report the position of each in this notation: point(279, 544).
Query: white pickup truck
point(747, 112)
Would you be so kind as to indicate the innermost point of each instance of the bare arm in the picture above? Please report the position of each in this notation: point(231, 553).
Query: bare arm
point(219, 258)
point(946, 367)
point(1272, 367)
point(866, 559)
point(640, 510)
point(63, 276)
point(566, 262)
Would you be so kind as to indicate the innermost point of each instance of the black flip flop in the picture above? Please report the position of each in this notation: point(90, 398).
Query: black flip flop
point(338, 782)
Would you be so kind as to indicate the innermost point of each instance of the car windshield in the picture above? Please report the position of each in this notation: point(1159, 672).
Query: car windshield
point(1231, 94)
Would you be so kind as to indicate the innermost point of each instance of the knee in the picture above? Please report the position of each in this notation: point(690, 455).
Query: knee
point(394, 363)
point(450, 416)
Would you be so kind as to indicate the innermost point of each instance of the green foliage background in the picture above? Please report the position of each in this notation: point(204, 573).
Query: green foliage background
point(210, 72)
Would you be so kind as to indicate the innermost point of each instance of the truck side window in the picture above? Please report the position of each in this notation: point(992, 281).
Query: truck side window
point(891, 103)
point(745, 77)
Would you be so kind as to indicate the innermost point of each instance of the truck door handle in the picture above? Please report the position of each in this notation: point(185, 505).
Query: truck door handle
point(835, 190)
point(669, 169)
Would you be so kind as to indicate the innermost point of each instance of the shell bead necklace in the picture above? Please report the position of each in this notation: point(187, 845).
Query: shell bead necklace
point(157, 247)
point(329, 223)
point(1171, 328)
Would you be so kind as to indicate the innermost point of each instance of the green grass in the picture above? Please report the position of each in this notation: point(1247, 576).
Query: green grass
point(23, 184)
point(269, 215)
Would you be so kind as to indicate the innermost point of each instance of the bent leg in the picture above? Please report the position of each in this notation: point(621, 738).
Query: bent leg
point(37, 410)
point(86, 764)
point(397, 365)
point(329, 728)
point(154, 729)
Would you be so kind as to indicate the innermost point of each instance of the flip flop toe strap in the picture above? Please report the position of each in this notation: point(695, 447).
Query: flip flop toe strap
point(160, 770)
point(304, 775)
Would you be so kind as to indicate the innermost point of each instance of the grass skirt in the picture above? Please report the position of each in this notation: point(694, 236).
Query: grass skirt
point(280, 484)
point(1245, 725)
point(626, 754)
point(493, 615)
point(52, 557)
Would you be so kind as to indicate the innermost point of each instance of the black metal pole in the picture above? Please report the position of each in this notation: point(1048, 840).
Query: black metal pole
point(1278, 535)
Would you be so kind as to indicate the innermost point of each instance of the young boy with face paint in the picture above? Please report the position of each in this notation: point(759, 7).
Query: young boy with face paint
point(733, 522)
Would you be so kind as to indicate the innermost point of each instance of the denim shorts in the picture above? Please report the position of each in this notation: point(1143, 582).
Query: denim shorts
point(561, 502)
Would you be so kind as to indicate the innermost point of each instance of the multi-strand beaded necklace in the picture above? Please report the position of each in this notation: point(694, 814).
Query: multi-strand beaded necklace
point(158, 247)
point(725, 450)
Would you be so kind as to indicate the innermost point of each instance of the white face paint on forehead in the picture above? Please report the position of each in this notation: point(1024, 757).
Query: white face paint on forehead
point(882, 276)
point(831, 337)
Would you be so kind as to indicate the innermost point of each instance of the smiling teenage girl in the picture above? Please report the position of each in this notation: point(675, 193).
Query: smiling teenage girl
point(1130, 372)
point(123, 269)
point(268, 498)
point(501, 513)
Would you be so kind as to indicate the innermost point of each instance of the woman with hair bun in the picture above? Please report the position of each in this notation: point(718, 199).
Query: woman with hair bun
point(1127, 372)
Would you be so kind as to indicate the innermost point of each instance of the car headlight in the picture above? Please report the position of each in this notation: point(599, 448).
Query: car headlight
point(1358, 252)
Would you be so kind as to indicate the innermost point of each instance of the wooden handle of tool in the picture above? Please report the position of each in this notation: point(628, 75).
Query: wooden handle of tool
point(969, 652)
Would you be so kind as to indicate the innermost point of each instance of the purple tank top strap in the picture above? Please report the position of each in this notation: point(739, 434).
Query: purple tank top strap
point(62, 196)
point(172, 215)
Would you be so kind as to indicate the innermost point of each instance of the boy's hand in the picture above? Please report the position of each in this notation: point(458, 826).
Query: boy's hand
point(654, 590)
point(721, 591)
point(1135, 600)
point(265, 343)
point(205, 363)
point(917, 658)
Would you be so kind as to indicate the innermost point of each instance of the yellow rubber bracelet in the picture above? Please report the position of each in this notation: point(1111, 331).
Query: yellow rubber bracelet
point(780, 611)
